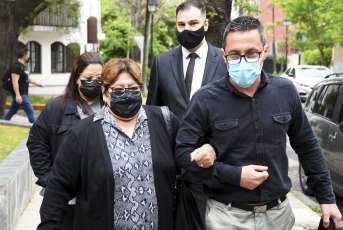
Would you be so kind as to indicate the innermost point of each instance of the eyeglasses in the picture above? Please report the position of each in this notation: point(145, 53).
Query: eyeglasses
point(234, 59)
point(90, 77)
point(119, 90)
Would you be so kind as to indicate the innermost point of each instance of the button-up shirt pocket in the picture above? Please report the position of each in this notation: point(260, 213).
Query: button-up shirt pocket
point(281, 125)
point(224, 132)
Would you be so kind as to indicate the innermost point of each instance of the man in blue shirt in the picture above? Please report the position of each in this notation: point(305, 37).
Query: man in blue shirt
point(246, 116)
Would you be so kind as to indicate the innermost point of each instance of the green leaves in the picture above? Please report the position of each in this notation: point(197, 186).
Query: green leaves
point(319, 21)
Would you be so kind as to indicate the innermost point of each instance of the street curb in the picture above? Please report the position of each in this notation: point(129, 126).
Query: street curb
point(15, 123)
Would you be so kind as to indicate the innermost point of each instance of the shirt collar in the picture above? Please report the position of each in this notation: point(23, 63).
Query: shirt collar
point(201, 52)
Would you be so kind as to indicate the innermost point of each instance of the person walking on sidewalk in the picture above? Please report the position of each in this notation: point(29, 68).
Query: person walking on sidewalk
point(177, 74)
point(20, 80)
point(118, 162)
point(246, 117)
point(82, 98)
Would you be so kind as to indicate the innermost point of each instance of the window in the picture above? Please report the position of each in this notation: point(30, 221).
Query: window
point(327, 101)
point(340, 115)
point(292, 72)
point(34, 64)
point(312, 103)
point(72, 52)
point(57, 58)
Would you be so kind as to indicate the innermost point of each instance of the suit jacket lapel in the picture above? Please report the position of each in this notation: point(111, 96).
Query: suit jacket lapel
point(177, 67)
point(211, 65)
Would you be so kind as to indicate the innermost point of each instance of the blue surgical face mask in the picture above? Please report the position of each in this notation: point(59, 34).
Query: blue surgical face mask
point(245, 73)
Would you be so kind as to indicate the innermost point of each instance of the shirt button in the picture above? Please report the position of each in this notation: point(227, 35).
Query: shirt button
point(146, 221)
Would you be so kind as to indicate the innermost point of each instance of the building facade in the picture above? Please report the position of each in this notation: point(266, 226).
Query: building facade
point(283, 32)
point(54, 48)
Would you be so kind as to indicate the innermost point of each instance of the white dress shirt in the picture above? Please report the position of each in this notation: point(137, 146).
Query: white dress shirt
point(199, 66)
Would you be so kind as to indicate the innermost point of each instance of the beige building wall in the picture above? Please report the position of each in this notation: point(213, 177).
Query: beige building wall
point(337, 58)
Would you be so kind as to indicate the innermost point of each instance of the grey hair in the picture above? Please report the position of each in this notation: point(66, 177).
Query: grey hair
point(244, 23)
point(189, 4)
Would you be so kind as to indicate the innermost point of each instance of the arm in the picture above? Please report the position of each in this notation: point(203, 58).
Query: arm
point(305, 143)
point(38, 145)
point(194, 128)
point(63, 183)
point(15, 83)
point(154, 94)
point(33, 81)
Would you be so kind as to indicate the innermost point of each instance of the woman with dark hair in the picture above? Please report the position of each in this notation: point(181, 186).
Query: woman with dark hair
point(82, 98)
point(118, 162)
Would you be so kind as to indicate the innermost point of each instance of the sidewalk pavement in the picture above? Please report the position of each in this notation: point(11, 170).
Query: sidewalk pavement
point(305, 218)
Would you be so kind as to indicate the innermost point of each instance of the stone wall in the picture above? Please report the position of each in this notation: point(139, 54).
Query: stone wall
point(17, 185)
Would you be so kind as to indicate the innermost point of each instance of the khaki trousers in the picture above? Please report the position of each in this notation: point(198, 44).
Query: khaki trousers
point(223, 217)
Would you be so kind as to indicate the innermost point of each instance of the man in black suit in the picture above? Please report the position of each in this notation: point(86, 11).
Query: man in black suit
point(175, 76)
point(167, 78)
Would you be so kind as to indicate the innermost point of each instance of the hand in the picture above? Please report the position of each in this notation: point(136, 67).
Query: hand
point(40, 85)
point(204, 156)
point(330, 211)
point(253, 175)
point(19, 100)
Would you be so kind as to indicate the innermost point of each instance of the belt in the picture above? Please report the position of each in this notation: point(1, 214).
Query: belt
point(251, 207)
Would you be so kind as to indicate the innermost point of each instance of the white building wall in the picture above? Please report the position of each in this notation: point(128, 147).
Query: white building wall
point(46, 35)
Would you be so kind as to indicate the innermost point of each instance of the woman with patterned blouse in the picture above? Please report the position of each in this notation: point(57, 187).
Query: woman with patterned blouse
point(119, 163)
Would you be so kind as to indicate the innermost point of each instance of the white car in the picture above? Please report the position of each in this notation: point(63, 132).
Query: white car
point(305, 77)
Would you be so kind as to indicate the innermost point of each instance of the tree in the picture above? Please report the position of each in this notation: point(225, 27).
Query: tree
point(121, 24)
point(312, 57)
point(319, 21)
point(218, 13)
point(15, 16)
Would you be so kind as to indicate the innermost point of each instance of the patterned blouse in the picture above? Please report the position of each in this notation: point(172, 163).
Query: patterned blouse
point(135, 202)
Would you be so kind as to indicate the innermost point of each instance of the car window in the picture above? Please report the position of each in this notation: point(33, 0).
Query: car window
point(287, 71)
point(313, 99)
point(309, 72)
point(327, 100)
point(292, 72)
point(340, 115)
point(312, 103)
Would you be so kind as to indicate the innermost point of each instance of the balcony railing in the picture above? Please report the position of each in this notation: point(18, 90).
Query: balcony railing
point(48, 18)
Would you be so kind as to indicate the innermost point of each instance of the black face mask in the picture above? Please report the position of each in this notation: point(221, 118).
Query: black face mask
point(90, 90)
point(127, 105)
point(190, 39)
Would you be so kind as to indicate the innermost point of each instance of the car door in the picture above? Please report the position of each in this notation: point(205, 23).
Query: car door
point(334, 148)
point(315, 112)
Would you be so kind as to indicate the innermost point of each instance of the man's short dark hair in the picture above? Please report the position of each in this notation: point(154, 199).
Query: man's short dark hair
point(187, 5)
point(22, 52)
point(244, 23)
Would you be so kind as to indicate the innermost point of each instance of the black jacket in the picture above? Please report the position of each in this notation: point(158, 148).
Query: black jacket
point(167, 83)
point(47, 134)
point(83, 168)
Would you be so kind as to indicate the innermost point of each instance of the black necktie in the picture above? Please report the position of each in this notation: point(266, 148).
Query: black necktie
point(189, 73)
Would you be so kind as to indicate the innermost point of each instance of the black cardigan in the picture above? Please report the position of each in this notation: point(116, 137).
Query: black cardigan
point(83, 168)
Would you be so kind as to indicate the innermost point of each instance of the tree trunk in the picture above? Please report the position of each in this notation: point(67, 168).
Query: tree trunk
point(12, 17)
point(218, 14)
point(321, 50)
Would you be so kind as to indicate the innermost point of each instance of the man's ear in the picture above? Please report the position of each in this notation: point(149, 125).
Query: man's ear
point(266, 49)
point(206, 25)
